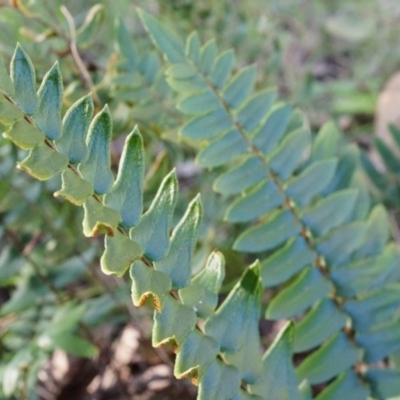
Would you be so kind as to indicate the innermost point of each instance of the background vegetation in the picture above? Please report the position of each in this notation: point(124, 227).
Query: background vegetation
point(331, 60)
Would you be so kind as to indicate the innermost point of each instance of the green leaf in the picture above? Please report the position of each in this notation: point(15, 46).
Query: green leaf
point(312, 181)
point(9, 112)
point(338, 246)
point(89, 29)
point(309, 287)
point(222, 68)
point(75, 126)
point(280, 226)
point(20, 361)
point(347, 383)
point(220, 382)
point(395, 133)
point(290, 152)
point(252, 112)
point(374, 308)
point(148, 283)
point(305, 391)
point(222, 150)
point(330, 212)
point(6, 85)
point(273, 129)
point(279, 380)
point(48, 114)
point(334, 356)
point(240, 339)
point(389, 159)
point(163, 38)
point(183, 78)
point(208, 125)
point(72, 344)
point(209, 52)
point(74, 188)
point(202, 293)
point(96, 169)
point(367, 274)
point(312, 330)
point(43, 162)
point(24, 135)
point(250, 171)
point(199, 103)
point(172, 324)
point(24, 80)
point(152, 232)
point(239, 86)
point(195, 355)
point(177, 263)
point(99, 219)
point(193, 47)
point(326, 143)
point(126, 194)
point(120, 252)
point(125, 44)
point(385, 383)
point(255, 203)
point(380, 342)
point(286, 262)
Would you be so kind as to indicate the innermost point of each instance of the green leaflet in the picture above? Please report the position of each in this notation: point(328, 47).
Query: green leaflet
point(120, 252)
point(377, 233)
point(255, 108)
point(220, 382)
point(222, 68)
point(199, 103)
point(195, 355)
point(347, 383)
point(202, 293)
point(172, 324)
point(152, 232)
point(239, 86)
point(43, 162)
point(193, 47)
point(208, 125)
point(390, 160)
point(74, 188)
point(148, 283)
point(72, 344)
point(367, 274)
point(326, 143)
point(242, 395)
point(166, 41)
point(374, 308)
point(208, 53)
point(23, 134)
point(250, 171)
point(395, 133)
point(125, 43)
point(126, 194)
point(380, 342)
point(330, 212)
point(348, 162)
point(273, 129)
point(279, 380)
point(240, 340)
point(338, 246)
point(76, 123)
point(177, 263)
point(312, 181)
point(90, 27)
point(181, 77)
point(6, 85)
point(48, 114)
point(9, 112)
point(305, 391)
point(313, 329)
point(286, 262)
point(289, 152)
point(335, 355)
point(222, 150)
point(99, 219)
point(385, 383)
point(149, 66)
point(24, 80)
point(255, 203)
point(305, 290)
point(267, 235)
point(96, 169)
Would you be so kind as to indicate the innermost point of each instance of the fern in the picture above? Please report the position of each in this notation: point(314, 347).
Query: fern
point(334, 260)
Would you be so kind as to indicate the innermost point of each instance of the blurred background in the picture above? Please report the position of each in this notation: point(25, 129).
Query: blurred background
point(66, 330)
